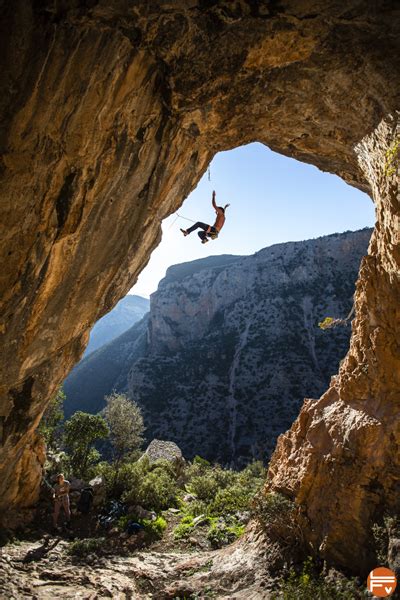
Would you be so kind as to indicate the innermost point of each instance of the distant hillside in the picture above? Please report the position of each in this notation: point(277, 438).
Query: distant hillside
point(231, 347)
point(104, 370)
point(126, 313)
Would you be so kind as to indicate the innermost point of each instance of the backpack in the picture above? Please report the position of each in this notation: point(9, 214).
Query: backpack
point(85, 501)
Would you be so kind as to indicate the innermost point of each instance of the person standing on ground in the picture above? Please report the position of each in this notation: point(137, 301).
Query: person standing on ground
point(209, 231)
point(61, 499)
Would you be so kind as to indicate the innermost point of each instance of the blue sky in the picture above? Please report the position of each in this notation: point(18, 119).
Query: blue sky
point(273, 199)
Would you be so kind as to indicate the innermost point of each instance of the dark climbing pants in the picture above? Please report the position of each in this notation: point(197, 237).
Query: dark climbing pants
point(202, 234)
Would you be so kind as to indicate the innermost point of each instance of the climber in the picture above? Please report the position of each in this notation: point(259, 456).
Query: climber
point(61, 499)
point(209, 231)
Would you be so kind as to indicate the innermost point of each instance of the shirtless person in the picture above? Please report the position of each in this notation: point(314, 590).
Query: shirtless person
point(61, 499)
point(209, 231)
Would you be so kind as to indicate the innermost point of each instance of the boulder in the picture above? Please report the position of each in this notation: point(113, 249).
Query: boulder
point(98, 486)
point(163, 450)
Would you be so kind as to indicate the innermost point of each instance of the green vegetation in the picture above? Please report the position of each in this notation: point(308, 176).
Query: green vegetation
point(86, 546)
point(392, 159)
point(154, 528)
point(326, 323)
point(221, 534)
point(81, 431)
point(125, 422)
point(208, 499)
point(277, 516)
point(151, 485)
point(126, 426)
point(220, 500)
point(50, 425)
point(310, 583)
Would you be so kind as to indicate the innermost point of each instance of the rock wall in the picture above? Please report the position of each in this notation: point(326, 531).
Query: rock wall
point(110, 113)
point(340, 460)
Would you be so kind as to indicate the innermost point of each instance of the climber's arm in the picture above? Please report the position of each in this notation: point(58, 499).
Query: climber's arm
point(214, 203)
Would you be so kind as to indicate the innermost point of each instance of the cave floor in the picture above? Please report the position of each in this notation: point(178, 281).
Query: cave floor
point(43, 569)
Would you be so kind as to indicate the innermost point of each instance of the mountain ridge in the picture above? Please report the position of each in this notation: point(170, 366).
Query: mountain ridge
point(222, 338)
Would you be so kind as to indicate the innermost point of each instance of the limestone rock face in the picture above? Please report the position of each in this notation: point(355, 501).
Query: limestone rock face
point(110, 112)
point(234, 345)
point(340, 460)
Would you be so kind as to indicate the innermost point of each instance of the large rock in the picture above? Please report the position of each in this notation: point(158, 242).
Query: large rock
point(163, 450)
point(98, 486)
point(110, 113)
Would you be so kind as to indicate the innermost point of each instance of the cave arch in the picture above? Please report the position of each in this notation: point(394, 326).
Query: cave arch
point(110, 115)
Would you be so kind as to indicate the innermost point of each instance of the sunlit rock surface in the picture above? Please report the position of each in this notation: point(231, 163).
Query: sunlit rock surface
point(234, 348)
point(110, 112)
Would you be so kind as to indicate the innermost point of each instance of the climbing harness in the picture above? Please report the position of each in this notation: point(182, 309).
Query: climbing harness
point(330, 322)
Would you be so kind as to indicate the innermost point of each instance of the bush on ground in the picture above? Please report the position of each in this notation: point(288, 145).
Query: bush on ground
point(309, 583)
point(86, 546)
point(151, 486)
point(277, 516)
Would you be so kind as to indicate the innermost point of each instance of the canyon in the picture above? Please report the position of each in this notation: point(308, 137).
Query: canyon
point(110, 113)
point(231, 347)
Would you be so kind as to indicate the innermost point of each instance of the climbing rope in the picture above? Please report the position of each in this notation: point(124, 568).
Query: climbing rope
point(178, 216)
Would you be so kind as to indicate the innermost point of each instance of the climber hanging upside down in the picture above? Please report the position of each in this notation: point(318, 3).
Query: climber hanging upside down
point(209, 231)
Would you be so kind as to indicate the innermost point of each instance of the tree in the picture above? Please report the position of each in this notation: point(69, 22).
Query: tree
point(50, 425)
point(125, 421)
point(80, 433)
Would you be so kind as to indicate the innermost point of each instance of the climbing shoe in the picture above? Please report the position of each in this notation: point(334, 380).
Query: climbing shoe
point(204, 241)
point(184, 232)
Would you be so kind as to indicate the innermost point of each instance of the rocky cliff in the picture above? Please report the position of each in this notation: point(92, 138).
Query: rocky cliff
point(110, 112)
point(231, 347)
point(122, 317)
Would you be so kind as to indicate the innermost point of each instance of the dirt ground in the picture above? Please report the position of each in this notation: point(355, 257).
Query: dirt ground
point(38, 565)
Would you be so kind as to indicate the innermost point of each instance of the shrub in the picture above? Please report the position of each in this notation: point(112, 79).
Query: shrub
point(204, 486)
point(198, 460)
point(152, 486)
point(253, 474)
point(187, 525)
point(276, 515)
point(195, 508)
point(220, 534)
point(224, 477)
point(125, 421)
point(87, 546)
point(183, 530)
point(155, 529)
point(311, 584)
point(230, 500)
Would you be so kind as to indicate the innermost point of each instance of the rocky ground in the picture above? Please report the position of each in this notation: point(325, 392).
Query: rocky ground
point(41, 567)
